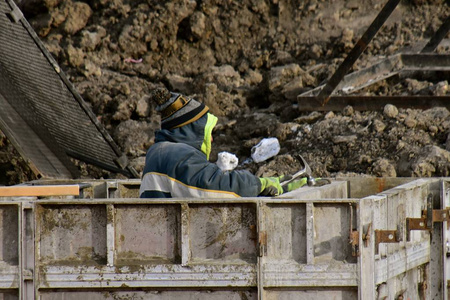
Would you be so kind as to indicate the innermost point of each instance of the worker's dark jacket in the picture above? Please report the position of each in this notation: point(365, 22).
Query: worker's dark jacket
point(177, 166)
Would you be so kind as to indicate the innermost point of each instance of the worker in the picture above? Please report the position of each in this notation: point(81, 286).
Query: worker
point(177, 164)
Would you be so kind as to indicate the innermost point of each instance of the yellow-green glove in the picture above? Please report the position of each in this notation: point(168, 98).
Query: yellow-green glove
point(295, 184)
point(270, 186)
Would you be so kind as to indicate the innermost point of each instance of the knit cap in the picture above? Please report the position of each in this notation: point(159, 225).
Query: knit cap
point(176, 110)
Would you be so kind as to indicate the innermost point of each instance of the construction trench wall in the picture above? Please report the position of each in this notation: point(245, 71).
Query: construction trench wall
point(357, 238)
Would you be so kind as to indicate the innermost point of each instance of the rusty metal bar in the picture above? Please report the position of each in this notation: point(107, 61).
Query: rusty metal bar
point(386, 236)
point(437, 37)
point(425, 61)
point(362, 103)
point(385, 68)
point(415, 224)
point(324, 95)
point(440, 215)
point(353, 234)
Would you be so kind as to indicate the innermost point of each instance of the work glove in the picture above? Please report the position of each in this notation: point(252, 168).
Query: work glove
point(295, 184)
point(270, 186)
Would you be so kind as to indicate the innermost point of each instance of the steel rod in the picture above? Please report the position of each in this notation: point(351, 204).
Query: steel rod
point(361, 45)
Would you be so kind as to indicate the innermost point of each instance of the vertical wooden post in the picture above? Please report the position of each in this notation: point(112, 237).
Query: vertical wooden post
point(110, 234)
point(310, 233)
point(185, 248)
point(366, 259)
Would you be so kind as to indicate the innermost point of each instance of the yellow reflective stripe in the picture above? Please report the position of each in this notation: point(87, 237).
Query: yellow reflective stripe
point(174, 107)
point(163, 182)
point(206, 145)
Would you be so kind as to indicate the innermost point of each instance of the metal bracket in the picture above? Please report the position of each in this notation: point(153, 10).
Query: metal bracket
point(429, 217)
point(262, 243)
point(353, 238)
point(366, 236)
point(354, 241)
point(386, 236)
point(441, 215)
point(15, 15)
point(437, 216)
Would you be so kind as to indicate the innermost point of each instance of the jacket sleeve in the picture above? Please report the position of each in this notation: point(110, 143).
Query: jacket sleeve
point(184, 172)
point(198, 172)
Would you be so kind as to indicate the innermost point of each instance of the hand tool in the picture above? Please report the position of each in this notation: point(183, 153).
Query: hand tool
point(305, 172)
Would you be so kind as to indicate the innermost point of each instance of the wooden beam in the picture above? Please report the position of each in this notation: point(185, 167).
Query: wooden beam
point(39, 190)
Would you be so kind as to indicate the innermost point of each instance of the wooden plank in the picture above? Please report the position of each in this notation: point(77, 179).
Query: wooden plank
point(40, 190)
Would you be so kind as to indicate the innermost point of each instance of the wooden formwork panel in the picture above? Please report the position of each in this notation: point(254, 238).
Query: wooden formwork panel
point(151, 295)
point(307, 245)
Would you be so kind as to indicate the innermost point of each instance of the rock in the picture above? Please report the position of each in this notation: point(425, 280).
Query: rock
point(440, 89)
point(253, 77)
point(415, 86)
point(180, 84)
point(438, 114)
point(400, 145)
point(143, 107)
point(383, 168)
point(410, 122)
point(91, 39)
point(390, 111)
point(433, 129)
point(52, 3)
point(315, 52)
point(347, 38)
point(77, 18)
point(265, 149)
point(281, 58)
point(329, 115)
point(197, 22)
point(227, 161)
point(348, 110)
point(278, 76)
point(75, 56)
point(344, 139)
point(224, 76)
point(309, 119)
point(293, 88)
point(91, 69)
point(54, 47)
point(431, 161)
point(131, 44)
point(378, 126)
point(138, 164)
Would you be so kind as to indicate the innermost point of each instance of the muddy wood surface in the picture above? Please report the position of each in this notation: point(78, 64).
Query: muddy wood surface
point(248, 60)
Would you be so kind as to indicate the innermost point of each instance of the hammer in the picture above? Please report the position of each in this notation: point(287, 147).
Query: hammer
point(305, 172)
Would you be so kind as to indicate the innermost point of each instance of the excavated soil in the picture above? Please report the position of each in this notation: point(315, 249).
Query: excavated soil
point(248, 60)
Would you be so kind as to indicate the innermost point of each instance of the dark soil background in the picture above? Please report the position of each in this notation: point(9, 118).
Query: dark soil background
point(248, 60)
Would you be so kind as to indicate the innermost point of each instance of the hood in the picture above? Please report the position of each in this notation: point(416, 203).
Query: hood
point(196, 134)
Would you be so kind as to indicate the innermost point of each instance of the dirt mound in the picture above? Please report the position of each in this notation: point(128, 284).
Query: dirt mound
point(248, 60)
